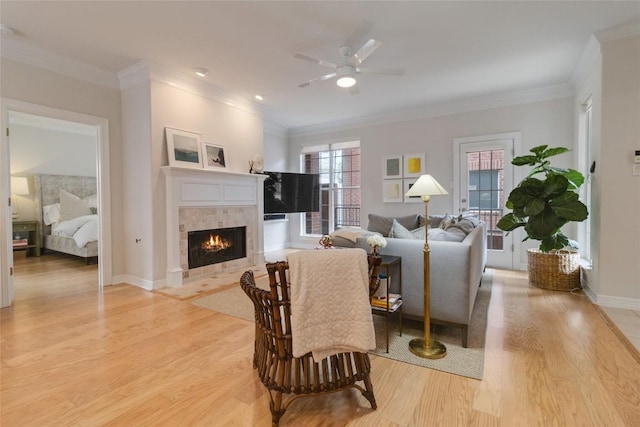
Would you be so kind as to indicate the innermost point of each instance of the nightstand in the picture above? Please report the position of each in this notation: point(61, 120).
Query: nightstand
point(26, 236)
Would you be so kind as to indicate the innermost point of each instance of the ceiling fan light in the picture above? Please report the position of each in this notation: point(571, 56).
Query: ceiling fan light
point(346, 81)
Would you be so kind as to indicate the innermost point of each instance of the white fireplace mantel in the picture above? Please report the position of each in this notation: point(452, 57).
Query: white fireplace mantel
point(208, 188)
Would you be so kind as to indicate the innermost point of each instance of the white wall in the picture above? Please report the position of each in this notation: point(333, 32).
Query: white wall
point(618, 267)
point(34, 85)
point(548, 122)
point(151, 104)
point(276, 232)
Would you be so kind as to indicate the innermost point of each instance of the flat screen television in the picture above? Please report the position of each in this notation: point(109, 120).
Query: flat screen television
point(287, 192)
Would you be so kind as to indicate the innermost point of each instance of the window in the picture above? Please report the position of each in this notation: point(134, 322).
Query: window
point(339, 168)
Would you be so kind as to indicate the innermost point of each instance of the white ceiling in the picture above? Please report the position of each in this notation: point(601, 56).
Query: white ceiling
point(450, 50)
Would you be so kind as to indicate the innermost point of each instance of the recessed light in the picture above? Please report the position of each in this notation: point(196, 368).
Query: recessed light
point(200, 72)
point(259, 97)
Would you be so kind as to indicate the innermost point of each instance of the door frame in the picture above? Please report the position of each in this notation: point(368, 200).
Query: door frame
point(516, 137)
point(103, 182)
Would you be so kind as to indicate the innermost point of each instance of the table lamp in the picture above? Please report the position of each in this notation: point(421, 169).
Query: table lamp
point(425, 187)
point(19, 187)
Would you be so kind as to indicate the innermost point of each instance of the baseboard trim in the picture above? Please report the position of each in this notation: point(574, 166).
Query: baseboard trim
point(618, 333)
point(133, 280)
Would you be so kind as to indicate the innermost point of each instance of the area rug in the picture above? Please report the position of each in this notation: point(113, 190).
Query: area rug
point(467, 362)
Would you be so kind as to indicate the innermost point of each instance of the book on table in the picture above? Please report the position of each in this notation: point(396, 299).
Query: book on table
point(20, 242)
point(394, 301)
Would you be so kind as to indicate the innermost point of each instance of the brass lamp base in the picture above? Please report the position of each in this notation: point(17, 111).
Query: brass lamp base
point(435, 349)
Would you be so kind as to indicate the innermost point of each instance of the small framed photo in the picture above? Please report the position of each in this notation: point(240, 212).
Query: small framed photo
point(414, 165)
point(392, 167)
point(183, 148)
point(392, 191)
point(408, 183)
point(213, 156)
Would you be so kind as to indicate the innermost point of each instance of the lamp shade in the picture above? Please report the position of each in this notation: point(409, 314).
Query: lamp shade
point(19, 186)
point(426, 185)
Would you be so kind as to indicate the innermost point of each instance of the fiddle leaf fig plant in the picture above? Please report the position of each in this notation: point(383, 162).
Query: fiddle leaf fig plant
point(545, 200)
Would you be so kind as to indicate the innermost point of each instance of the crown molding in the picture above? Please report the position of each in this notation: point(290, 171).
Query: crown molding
point(619, 32)
point(146, 70)
point(42, 58)
point(589, 59)
point(528, 96)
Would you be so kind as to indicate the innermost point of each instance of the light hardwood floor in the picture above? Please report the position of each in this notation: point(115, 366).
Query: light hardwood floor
point(74, 356)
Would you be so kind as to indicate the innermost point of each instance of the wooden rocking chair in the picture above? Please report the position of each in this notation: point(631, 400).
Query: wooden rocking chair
point(287, 377)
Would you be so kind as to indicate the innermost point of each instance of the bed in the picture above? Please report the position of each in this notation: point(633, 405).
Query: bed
point(66, 207)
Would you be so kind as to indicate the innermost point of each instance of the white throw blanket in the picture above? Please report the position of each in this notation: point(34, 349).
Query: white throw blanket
point(330, 311)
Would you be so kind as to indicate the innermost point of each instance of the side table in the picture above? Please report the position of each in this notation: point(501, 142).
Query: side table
point(389, 261)
point(26, 236)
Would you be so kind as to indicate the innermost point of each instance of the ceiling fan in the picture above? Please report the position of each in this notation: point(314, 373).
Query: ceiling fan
point(351, 65)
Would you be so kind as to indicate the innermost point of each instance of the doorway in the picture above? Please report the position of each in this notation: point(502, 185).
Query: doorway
point(483, 180)
point(101, 165)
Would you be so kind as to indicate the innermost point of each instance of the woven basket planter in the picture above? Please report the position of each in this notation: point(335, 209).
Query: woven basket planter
point(558, 271)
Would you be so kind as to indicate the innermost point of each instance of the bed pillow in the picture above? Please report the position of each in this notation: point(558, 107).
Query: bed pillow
point(72, 206)
point(51, 213)
point(92, 200)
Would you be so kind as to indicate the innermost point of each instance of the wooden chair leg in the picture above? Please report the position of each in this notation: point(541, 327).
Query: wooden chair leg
point(277, 411)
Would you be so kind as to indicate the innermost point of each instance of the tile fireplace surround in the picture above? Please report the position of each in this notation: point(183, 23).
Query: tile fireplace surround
point(201, 199)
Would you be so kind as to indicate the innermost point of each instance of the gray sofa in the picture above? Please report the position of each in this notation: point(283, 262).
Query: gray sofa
point(456, 273)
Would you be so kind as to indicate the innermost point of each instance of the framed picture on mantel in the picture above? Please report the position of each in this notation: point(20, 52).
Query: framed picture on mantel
point(183, 148)
point(213, 156)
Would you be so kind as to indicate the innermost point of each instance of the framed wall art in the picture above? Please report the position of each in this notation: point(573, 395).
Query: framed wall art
point(408, 183)
point(183, 148)
point(414, 165)
point(392, 191)
point(213, 156)
point(392, 167)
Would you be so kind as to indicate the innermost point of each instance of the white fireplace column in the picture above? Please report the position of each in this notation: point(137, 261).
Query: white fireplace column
point(207, 188)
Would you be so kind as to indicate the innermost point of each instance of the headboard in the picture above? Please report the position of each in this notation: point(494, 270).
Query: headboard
point(48, 191)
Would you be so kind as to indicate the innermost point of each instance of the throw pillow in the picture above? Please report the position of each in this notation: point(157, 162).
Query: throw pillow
point(447, 220)
point(400, 232)
point(72, 206)
point(382, 224)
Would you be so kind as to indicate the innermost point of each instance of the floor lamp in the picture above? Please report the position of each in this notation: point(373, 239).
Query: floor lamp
point(427, 348)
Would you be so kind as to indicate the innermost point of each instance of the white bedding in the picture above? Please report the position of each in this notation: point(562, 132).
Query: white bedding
point(82, 229)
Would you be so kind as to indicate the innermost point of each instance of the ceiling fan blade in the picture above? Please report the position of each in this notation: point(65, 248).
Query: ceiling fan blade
point(353, 90)
point(387, 71)
point(319, 79)
point(363, 53)
point(314, 60)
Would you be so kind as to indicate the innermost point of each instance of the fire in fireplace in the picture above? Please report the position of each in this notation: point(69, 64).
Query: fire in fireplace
point(217, 245)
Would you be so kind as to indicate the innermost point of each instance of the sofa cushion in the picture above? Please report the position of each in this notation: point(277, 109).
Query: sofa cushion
point(454, 235)
point(383, 224)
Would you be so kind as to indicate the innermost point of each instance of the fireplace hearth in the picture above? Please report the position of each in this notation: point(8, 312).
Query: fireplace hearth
point(206, 247)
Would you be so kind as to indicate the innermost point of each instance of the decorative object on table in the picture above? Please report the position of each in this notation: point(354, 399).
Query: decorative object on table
point(257, 164)
point(326, 241)
point(414, 165)
point(213, 156)
point(392, 191)
point(183, 148)
point(542, 207)
point(376, 242)
point(19, 187)
point(392, 166)
point(426, 186)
